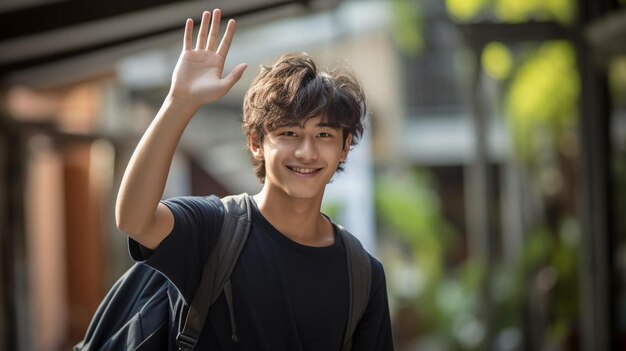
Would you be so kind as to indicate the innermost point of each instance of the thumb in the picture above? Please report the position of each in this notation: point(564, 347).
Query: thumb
point(234, 76)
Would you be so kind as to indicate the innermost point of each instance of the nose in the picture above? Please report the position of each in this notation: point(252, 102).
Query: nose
point(306, 150)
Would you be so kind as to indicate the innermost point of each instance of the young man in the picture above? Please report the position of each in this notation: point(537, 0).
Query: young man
point(290, 283)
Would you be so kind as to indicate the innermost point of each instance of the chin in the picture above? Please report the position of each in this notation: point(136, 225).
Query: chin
point(302, 193)
point(298, 191)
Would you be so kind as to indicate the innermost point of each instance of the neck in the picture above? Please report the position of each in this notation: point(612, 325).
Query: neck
point(298, 219)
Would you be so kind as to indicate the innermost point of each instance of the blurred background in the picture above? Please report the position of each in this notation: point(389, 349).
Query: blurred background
point(491, 181)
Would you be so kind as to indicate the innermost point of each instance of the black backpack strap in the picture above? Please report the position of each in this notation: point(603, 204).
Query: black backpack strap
point(359, 281)
point(218, 268)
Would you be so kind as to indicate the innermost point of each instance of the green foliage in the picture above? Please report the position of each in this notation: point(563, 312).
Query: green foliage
point(409, 209)
point(537, 248)
point(555, 253)
point(541, 103)
point(332, 210)
point(497, 61)
point(409, 206)
point(449, 304)
point(617, 80)
point(465, 10)
point(565, 262)
point(564, 11)
point(513, 11)
point(407, 28)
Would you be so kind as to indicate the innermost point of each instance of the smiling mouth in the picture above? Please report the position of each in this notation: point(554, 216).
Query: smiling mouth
point(301, 170)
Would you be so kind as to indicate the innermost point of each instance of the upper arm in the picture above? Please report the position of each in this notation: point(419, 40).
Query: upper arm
point(160, 227)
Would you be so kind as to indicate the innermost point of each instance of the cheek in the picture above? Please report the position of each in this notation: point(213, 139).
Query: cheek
point(332, 152)
point(273, 155)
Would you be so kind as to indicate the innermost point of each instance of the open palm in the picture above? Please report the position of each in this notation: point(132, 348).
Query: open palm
point(197, 77)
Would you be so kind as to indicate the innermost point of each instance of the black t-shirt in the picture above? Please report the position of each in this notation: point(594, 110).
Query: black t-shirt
point(286, 296)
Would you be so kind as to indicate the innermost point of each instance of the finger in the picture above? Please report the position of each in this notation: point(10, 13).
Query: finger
point(202, 32)
point(234, 76)
point(227, 39)
point(215, 28)
point(188, 34)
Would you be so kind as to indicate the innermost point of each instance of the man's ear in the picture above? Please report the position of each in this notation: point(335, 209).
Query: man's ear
point(254, 144)
point(346, 147)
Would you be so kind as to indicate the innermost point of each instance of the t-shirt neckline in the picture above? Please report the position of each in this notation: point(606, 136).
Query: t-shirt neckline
point(275, 234)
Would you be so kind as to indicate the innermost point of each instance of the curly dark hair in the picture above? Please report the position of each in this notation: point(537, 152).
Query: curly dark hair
point(293, 90)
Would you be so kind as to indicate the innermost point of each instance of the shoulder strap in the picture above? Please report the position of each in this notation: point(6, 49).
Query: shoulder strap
point(218, 267)
point(359, 281)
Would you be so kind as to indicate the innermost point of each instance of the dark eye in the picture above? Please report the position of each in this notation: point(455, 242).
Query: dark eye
point(325, 135)
point(288, 133)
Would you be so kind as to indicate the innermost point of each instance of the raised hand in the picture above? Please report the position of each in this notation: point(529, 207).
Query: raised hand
point(197, 78)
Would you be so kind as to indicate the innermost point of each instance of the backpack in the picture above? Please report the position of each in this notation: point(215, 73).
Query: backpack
point(142, 308)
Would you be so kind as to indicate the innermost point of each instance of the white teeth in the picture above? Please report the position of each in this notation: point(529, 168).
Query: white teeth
point(304, 170)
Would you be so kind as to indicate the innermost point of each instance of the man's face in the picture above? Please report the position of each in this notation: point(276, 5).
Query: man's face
point(301, 159)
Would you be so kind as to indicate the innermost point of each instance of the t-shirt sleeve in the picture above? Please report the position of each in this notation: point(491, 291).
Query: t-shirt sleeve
point(373, 332)
point(181, 255)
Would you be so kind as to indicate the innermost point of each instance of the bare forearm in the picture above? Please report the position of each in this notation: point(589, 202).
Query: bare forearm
point(145, 177)
point(197, 80)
